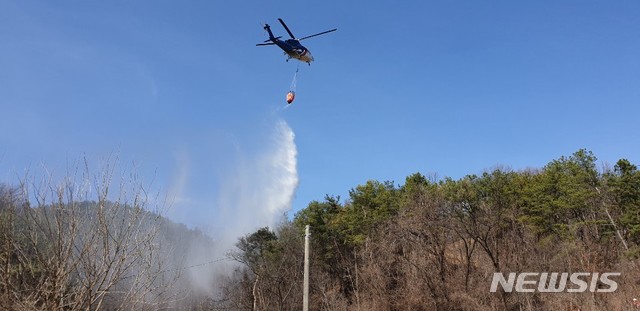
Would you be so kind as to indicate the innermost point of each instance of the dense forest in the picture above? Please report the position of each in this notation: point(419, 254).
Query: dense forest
point(434, 244)
point(426, 244)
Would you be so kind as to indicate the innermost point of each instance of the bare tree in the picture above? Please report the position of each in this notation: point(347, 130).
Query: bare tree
point(72, 249)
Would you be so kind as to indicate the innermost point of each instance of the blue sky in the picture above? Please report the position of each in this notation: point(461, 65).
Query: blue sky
point(178, 90)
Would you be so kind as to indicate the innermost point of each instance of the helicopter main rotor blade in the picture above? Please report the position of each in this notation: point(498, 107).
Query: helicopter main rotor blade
point(286, 28)
point(261, 44)
point(321, 33)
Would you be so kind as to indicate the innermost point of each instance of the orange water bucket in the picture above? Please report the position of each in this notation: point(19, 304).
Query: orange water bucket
point(290, 97)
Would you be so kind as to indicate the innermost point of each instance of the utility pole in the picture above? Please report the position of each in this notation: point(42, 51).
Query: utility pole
point(305, 295)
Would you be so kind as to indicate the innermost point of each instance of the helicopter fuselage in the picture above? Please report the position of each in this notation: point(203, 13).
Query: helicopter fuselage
point(294, 49)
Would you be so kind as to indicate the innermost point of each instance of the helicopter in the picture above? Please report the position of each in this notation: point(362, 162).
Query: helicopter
point(291, 47)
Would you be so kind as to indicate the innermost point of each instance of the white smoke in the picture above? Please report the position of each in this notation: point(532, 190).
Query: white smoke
point(256, 191)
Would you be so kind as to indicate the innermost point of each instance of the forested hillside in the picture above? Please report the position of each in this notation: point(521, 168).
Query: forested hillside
point(434, 244)
point(426, 244)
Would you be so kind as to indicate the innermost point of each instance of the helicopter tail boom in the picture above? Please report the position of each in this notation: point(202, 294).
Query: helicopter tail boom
point(268, 29)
